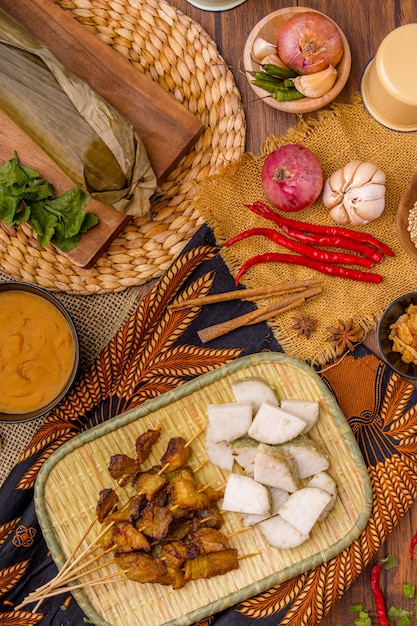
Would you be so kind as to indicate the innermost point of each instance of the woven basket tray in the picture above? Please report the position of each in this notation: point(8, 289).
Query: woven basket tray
point(177, 53)
point(65, 509)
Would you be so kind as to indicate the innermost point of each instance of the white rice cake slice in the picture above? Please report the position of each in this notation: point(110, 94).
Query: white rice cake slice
point(309, 457)
point(275, 468)
point(308, 410)
point(278, 497)
point(219, 453)
point(244, 450)
point(281, 534)
point(304, 507)
point(273, 425)
point(229, 420)
point(324, 481)
point(254, 390)
point(243, 494)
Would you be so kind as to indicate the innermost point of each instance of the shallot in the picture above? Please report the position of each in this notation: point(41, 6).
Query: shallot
point(292, 177)
point(309, 42)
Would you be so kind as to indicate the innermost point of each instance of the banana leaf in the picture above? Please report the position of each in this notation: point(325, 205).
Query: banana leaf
point(90, 141)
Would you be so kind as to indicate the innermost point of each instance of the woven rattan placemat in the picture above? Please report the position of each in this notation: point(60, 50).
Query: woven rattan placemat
point(178, 54)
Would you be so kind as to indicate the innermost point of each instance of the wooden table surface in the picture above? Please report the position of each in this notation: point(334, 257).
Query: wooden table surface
point(365, 24)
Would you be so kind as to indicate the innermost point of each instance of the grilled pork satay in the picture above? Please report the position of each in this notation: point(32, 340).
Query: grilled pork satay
point(211, 517)
point(175, 552)
point(155, 521)
point(209, 540)
point(144, 444)
point(127, 538)
point(185, 494)
point(176, 454)
point(123, 468)
point(107, 502)
point(143, 567)
point(150, 482)
point(177, 577)
point(212, 564)
point(131, 511)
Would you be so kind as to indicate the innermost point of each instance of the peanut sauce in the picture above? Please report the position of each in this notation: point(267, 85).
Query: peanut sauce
point(37, 352)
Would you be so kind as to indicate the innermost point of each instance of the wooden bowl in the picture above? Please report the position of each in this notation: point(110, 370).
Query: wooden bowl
point(392, 313)
point(407, 201)
point(268, 28)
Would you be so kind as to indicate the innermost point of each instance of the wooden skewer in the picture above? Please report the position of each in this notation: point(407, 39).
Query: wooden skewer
point(56, 591)
point(260, 315)
point(114, 577)
point(254, 293)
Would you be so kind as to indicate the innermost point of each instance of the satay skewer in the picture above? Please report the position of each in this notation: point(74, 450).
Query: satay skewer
point(70, 572)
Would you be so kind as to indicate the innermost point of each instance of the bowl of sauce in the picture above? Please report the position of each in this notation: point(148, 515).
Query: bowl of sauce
point(39, 351)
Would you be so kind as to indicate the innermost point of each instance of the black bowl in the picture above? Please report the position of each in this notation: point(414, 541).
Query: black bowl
point(38, 291)
point(389, 317)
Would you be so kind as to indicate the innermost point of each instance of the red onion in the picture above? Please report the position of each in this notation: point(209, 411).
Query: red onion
point(292, 177)
point(309, 42)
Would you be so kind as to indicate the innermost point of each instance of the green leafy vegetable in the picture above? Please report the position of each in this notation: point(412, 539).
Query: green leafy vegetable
point(405, 616)
point(363, 618)
point(26, 197)
point(409, 590)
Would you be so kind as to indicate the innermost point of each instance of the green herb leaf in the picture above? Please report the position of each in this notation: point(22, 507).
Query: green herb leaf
point(405, 616)
point(26, 197)
point(363, 618)
point(409, 590)
point(389, 562)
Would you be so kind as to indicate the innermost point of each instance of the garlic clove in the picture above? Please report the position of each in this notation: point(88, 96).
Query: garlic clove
point(317, 84)
point(274, 60)
point(365, 211)
point(379, 177)
point(339, 214)
point(331, 196)
point(262, 48)
point(364, 174)
point(369, 191)
point(336, 181)
point(348, 172)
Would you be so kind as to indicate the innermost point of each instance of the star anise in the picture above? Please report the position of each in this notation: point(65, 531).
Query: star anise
point(304, 325)
point(344, 336)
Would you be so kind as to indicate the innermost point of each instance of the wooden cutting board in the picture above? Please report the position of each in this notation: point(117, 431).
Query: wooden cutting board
point(166, 127)
point(111, 222)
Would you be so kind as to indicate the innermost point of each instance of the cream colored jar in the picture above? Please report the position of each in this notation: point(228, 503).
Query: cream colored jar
point(389, 82)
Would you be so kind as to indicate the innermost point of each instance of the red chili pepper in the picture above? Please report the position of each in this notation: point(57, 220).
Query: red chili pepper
point(335, 241)
point(379, 598)
point(320, 266)
point(261, 209)
point(296, 246)
point(413, 544)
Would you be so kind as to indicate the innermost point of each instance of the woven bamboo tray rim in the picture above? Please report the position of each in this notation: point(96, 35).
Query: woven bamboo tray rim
point(179, 55)
point(67, 489)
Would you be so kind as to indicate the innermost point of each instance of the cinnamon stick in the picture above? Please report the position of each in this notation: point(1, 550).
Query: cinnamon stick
point(260, 315)
point(254, 293)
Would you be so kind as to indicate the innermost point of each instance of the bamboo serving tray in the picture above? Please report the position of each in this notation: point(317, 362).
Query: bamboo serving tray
point(68, 485)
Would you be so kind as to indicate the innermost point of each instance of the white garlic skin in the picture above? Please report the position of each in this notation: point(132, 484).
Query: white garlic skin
point(355, 194)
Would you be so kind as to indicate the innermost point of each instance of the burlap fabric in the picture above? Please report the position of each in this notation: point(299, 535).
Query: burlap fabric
point(337, 136)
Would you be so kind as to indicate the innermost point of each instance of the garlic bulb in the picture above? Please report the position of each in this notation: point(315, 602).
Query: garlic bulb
point(355, 194)
point(317, 84)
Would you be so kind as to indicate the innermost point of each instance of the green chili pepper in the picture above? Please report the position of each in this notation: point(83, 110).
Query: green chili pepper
point(267, 77)
point(270, 87)
point(286, 95)
point(275, 70)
